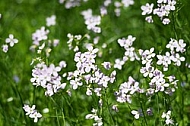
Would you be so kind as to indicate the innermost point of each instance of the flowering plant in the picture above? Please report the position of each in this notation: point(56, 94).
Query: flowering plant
point(85, 62)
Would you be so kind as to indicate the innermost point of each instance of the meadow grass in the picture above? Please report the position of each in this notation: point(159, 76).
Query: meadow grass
point(131, 104)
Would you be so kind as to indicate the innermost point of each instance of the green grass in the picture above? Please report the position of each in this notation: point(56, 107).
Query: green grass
point(22, 18)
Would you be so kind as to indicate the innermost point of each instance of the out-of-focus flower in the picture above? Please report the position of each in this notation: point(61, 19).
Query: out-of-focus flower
point(11, 40)
point(32, 112)
point(50, 21)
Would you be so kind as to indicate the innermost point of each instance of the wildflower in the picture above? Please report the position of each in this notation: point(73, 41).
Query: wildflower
point(62, 64)
point(75, 83)
point(147, 9)
point(166, 21)
point(149, 19)
point(177, 59)
point(97, 120)
point(126, 89)
point(127, 3)
point(107, 2)
point(61, 1)
point(5, 48)
point(55, 42)
point(39, 35)
point(103, 11)
point(147, 71)
point(29, 110)
point(88, 92)
point(149, 111)
point(167, 116)
point(11, 40)
point(35, 115)
point(32, 112)
point(51, 20)
point(118, 64)
point(115, 108)
point(47, 77)
point(147, 55)
point(112, 76)
point(180, 46)
point(107, 65)
point(91, 21)
point(137, 114)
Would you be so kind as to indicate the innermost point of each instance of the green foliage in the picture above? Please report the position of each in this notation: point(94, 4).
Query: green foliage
point(23, 17)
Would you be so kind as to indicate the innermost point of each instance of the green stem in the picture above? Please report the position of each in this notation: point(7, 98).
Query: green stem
point(57, 118)
point(107, 104)
point(143, 113)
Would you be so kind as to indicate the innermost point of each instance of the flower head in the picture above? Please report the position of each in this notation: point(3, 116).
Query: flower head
point(11, 40)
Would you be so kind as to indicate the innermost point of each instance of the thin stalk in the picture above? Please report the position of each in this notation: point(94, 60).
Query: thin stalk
point(57, 118)
point(143, 113)
point(63, 117)
point(174, 27)
point(108, 108)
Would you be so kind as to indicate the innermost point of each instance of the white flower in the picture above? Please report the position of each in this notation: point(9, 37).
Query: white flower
point(75, 83)
point(177, 59)
point(51, 20)
point(62, 64)
point(149, 19)
point(171, 4)
point(32, 112)
point(35, 115)
point(136, 114)
point(118, 64)
point(166, 115)
point(126, 42)
point(107, 65)
point(11, 40)
point(5, 48)
point(172, 44)
point(147, 71)
point(39, 35)
point(29, 110)
point(147, 9)
point(166, 21)
point(61, 1)
point(180, 47)
point(127, 3)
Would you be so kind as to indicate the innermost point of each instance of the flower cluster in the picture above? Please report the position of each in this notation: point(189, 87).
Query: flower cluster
point(158, 81)
point(31, 112)
point(91, 21)
point(98, 120)
point(175, 47)
point(40, 38)
point(87, 71)
point(39, 35)
point(72, 38)
point(129, 51)
point(11, 41)
point(127, 89)
point(167, 117)
point(71, 3)
point(48, 78)
point(163, 9)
